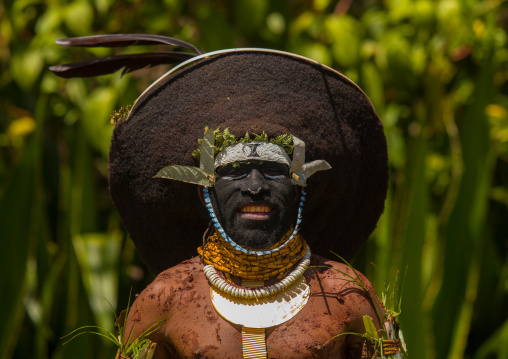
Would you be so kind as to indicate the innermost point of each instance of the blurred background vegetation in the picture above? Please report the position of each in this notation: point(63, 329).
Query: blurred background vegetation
point(436, 71)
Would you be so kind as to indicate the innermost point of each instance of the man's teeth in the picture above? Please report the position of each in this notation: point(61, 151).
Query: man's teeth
point(256, 209)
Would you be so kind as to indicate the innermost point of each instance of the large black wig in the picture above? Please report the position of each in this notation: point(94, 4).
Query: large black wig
point(248, 90)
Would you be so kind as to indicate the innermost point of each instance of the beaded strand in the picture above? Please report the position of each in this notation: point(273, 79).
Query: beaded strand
point(250, 293)
point(217, 225)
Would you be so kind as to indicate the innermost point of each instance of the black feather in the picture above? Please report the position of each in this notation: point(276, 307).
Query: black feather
point(108, 65)
point(122, 40)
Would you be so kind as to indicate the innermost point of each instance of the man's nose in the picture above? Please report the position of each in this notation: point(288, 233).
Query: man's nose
point(255, 183)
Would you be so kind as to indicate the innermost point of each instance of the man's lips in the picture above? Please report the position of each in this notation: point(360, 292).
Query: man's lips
point(256, 212)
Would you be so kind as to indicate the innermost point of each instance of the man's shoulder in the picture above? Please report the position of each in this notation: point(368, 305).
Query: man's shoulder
point(354, 294)
point(331, 267)
point(171, 284)
point(185, 270)
point(335, 275)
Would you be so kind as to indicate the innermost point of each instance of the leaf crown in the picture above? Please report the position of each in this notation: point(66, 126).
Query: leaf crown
point(223, 139)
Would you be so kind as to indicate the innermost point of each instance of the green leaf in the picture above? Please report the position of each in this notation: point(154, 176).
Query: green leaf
point(466, 228)
point(186, 174)
point(98, 255)
point(370, 329)
point(495, 344)
point(339, 28)
point(206, 162)
point(416, 212)
point(79, 17)
point(316, 51)
point(16, 223)
point(373, 85)
point(97, 111)
point(26, 68)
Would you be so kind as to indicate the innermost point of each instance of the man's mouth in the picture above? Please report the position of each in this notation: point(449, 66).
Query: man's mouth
point(256, 212)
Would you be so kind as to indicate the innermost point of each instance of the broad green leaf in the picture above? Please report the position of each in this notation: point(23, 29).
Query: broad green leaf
point(98, 255)
point(370, 329)
point(394, 136)
point(321, 5)
point(466, 232)
point(372, 84)
point(50, 20)
point(276, 23)
point(16, 222)
point(26, 68)
point(497, 343)
point(96, 118)
point(186, 174)
point(316, 51)
point(206, 162)
point(79, 17)
point(301, 24)
point(416, 212)
point(103, 6)
point(346, 32)
point(383, 239)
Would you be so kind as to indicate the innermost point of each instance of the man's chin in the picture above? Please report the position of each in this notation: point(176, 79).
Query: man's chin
point(256, 239)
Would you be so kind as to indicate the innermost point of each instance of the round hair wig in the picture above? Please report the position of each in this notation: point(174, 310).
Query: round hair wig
point(248, 90)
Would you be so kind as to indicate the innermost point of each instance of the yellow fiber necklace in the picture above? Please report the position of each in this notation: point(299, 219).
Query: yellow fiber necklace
point(226, 258)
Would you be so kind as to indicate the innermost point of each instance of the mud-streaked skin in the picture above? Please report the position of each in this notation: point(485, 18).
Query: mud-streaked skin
point(195, 330)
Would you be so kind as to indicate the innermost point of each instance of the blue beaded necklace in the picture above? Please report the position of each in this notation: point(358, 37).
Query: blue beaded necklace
point(238, 247)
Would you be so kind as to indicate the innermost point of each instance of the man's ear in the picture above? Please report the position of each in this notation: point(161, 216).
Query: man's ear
point(201, 195)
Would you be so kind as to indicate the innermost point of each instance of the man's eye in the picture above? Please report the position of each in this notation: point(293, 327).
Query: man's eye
point(273, 172)
point(231, 173)
point(235, 173)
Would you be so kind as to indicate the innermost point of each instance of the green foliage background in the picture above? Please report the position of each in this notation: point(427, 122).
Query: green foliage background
point(436, 71)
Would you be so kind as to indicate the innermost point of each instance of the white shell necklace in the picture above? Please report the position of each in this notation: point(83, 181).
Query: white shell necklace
point(249, 293)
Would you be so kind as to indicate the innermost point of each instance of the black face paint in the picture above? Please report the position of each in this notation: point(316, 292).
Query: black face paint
point(254, 202)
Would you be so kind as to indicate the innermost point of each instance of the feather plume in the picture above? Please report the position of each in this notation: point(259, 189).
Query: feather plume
point(122, 40)
point(108, 65)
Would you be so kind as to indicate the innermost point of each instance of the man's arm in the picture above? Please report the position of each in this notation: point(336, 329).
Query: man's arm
point(148, 317)
point(359, 300)
point(369, 305)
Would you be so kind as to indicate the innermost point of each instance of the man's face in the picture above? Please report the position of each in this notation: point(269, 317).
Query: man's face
point(254, 202)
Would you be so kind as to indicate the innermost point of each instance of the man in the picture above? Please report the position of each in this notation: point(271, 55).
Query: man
point(255, 290)
point(256, 203)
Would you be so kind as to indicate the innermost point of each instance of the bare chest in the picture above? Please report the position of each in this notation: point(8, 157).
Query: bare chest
point(196, 330)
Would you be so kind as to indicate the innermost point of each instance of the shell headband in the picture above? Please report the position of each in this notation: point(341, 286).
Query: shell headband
point(261, 151)
point(204, 175)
